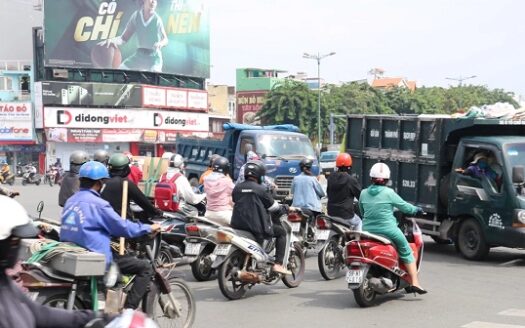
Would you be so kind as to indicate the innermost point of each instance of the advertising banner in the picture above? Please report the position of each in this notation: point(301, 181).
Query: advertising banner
point(16, 121)
point(64, 135)
point(248, 104)
point(164, 36)
point(174, 98)
point(91, 118)
point(91, 94)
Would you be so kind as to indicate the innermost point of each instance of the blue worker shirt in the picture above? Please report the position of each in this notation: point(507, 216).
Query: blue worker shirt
point(90, 221)
point(307, 192)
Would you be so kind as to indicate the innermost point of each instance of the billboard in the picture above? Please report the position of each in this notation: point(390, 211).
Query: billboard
point(248, 104)
point(163, 36)
point(91, 118)
point(16, 122)
point(174, 98)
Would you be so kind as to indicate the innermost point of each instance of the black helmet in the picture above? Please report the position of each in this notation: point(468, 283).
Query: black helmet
point(221, 164)
point(255, 169)
point(78, 157)
point(213, 158)
point(101, 156)
point(306, 163)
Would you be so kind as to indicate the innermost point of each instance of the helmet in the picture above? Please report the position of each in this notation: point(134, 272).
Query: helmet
point(380, 171)
point(101, 156)
point(118, 162)
point(343, 160)
point(177, 161)
point(78, 157)
point(255, 169)
point(221, 165)
point(167, 155)
point(306, 163)
point(93, 170)
point(213, 158)
point(129, 156)
point(19, 223)
point(3, 162)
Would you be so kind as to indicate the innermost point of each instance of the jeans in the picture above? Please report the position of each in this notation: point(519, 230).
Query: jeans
point(143, 270)
point(280, 242)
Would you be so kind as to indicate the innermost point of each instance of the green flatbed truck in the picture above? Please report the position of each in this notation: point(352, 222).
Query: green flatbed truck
point(428, 155)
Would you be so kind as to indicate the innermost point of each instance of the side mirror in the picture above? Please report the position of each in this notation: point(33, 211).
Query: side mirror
point(40, 208)
point(518, 174)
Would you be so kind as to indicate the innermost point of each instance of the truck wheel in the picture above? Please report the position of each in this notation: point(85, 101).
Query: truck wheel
point(471, 240)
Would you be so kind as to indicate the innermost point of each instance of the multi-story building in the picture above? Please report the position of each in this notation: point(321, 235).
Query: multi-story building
point(220, 108)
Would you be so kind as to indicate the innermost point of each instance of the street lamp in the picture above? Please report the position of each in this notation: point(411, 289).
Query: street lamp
point(318, 58)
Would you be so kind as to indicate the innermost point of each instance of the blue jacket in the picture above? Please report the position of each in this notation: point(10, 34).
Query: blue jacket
point(307, 192)
point(90, 222)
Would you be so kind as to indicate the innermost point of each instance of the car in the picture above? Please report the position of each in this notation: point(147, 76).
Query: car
point(327, 162)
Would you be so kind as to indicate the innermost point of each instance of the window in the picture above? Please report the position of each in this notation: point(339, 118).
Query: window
point(481, 165)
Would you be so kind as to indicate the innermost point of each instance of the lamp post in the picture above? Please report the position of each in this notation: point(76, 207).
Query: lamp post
point(318, 58)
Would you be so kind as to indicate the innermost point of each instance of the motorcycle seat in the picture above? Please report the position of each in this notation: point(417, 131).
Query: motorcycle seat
point(339, 220)
point(368, 235)
point(244, 234)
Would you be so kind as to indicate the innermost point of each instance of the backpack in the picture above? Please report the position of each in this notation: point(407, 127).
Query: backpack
point(166, 198)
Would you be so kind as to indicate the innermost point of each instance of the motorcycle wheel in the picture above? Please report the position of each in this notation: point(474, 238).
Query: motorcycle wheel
point(296, 264)
point(164, 257)
point(201, 267)
point(24, 182)
point(157, 302)
point(37, 182)
point(364, 296)
point(329, 260)
point(57, 299)
point(230, 288)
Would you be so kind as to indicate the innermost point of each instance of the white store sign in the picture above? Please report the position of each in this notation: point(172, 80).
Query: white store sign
point(91, 118)
point(174, 98)
point(16, 121)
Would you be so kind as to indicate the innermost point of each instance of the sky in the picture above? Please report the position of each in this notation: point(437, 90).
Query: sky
point(422, 40)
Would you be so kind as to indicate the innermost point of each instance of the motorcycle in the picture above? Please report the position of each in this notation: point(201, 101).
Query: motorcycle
point(333, 231)
point(30, 178)
point(8, 178)
point(51, 176)
point(242, 263)
point(303, 225)
point(168, 300)
point(373, 263)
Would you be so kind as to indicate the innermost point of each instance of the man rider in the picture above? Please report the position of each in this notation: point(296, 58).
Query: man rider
point(184, 190)
point(16, 309)
point(252, 203)
point(209, 170)
point(101, 156)
point(69, 183)
point(307, 191)
point(119, 171)
point(218, 187)
point(4, 171)
point(90, 221)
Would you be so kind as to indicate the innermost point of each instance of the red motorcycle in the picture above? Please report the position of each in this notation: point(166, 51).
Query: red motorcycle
point(374, 266)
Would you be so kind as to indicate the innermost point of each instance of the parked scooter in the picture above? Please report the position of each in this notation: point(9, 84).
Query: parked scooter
point(243, 263)
point(31, 175)
point(374, 266)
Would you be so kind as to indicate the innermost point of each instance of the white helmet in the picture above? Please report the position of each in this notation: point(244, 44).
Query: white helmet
point(16, 221)
point(167, 155)
point(177, 161)
point(380, 171)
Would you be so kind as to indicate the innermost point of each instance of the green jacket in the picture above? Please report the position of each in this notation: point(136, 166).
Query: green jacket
point(377, 203)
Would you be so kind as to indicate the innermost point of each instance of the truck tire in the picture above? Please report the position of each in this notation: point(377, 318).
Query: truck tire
point(471, 241)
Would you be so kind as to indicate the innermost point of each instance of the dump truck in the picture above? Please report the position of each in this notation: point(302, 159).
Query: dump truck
point(429, 157)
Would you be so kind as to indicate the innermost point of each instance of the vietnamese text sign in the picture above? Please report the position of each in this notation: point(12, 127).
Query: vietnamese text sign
point(16, 121)
point(165, 36)
point(174, 98)
point(248, 104)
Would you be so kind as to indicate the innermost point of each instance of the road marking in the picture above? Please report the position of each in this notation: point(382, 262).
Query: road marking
point(513, 312)
point(482, 324)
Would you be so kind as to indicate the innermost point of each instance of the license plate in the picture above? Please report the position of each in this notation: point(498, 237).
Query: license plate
point(296, 226)
point(192, 248)
point(322, 234)
point(222, 249)
point(354, 276)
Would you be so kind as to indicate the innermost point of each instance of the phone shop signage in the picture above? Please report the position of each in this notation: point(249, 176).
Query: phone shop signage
point(16, 121)
point(91, 118)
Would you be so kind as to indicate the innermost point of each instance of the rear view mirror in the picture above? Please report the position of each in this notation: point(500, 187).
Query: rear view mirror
point(518, 174)
point(40, 208)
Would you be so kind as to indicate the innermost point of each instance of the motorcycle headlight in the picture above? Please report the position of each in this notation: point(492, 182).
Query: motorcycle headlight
point(521, 216)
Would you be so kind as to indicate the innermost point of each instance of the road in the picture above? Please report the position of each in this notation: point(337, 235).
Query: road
point(461, 293)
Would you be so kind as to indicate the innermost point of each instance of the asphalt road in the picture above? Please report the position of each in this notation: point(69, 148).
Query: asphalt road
point(461, 293)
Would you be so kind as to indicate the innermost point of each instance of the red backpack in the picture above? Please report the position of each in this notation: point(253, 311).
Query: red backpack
point(166, 198)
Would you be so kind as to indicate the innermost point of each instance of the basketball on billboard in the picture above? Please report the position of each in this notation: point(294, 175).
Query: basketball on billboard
point(105, 57)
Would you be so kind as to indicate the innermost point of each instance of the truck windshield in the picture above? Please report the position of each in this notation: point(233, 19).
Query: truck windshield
point(515, 154)
point(285, 146)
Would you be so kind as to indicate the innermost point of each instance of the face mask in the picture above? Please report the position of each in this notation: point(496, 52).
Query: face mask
point(9, 252)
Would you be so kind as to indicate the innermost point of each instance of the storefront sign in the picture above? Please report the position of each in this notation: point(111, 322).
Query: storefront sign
point(63, 135)
point(174, 98)
point(91, 118)
point(16, 122)
point(248, 104)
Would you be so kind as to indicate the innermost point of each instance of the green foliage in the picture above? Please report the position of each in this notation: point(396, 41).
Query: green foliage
point(292, 102)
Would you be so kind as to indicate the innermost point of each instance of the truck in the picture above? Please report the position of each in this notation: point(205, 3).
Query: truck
point(280, 147)
point(428, 156)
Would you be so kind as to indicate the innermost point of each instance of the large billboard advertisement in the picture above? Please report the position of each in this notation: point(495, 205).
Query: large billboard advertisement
point(16, 122)
point(164, 36)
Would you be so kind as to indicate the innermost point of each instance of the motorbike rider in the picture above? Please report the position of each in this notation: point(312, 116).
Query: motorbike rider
point(184, 190)
point(101, 156)
point(218, 187)
point(5, 170)
point(306, 189)
point(252, 204)
point(135, 174)
point(209, 170)
point(119, 171)
point(69, 183)
point(376, 204)
point(90, 221)
point(16, 309)
point(342, 188)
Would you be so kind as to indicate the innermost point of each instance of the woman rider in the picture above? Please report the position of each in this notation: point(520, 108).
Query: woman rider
point(376, 204)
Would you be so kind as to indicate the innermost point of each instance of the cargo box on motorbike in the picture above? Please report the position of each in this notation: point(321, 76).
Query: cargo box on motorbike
point(74, 264)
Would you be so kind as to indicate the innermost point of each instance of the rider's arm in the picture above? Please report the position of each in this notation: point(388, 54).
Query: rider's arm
point(355, 187)
point(141, 200)
point(318, 189)
point(186, 191)
point(361, 209)
point(399, 203)
point(118, 227)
